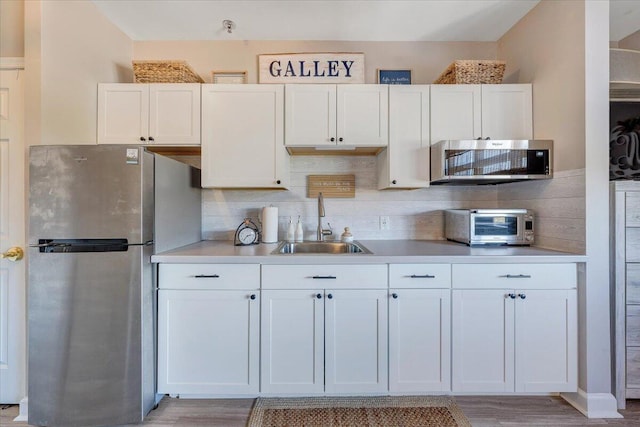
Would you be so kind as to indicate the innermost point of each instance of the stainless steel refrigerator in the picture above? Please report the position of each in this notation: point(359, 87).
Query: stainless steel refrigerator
point(96, 215)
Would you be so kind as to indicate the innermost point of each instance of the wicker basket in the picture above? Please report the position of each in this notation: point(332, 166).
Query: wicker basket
point(473, 72)
point(164, 72)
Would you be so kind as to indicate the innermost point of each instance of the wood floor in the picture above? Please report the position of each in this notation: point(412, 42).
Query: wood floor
point(481, 411)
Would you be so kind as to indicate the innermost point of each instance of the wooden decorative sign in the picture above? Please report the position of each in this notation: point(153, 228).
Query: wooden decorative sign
point(311, 68)
point(331, 186)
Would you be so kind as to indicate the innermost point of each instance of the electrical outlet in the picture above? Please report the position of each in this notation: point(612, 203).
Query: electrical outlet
point(384, 223)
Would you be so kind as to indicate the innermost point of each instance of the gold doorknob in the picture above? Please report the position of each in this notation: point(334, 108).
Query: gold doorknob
point(13, 254)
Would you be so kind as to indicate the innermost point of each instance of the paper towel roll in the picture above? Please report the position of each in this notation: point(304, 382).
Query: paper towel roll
point(269, 224)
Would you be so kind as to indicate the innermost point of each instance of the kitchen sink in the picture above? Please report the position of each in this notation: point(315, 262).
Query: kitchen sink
point(313, 247)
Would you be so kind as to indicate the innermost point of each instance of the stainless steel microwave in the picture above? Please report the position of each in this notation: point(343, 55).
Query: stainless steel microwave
point(489, 226)
point(489, 161)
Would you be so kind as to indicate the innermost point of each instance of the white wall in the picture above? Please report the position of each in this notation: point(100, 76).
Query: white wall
point(70, 47)
point(12, 28)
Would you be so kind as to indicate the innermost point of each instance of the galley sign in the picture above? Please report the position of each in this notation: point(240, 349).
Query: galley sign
point(336, 67)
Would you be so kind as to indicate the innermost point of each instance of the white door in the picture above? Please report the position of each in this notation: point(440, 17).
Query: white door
point(12, 234)
point(419, 340)
point(362, 115)
point(507, 111)
point(407, 155)
point(310, 115)
point(208, 341)
point(292, 342)
point(455, 112)
point(356, 341)
point(546, 341)
point(123, 113)
point(482, 341)
point(242, 136)
point(174, 113)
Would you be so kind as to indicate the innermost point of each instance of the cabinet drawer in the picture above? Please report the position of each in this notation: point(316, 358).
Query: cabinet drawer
point(209, 276)
point(324, 276)
point(513, 276)
point(423, 276)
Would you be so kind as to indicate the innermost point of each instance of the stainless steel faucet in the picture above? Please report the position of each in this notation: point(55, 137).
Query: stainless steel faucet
point(321, 231)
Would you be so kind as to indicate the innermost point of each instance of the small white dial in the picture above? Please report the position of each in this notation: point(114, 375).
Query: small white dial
point(247, 236)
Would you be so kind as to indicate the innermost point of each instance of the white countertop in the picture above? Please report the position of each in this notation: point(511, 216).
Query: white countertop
point(383, 252)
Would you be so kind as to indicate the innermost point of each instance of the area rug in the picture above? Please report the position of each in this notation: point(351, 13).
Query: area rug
point(382, 411)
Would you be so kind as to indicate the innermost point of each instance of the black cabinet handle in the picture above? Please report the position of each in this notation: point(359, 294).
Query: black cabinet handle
point(394, 182)
point(395, 296)
point(522, 296)
point(512, 296)
point(142, 138)
point(517, 276)
point(253, 296)
point(330, 296)
point(332, 139)
point(151, 138)
point(323, 277)
point(423, 276)
point(278, 182)
point(207, 276)
point(340, 139)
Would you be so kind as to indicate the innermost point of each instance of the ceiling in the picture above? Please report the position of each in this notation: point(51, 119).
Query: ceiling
point(356, 20)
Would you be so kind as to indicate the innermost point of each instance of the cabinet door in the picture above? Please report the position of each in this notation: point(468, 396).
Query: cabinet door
point(455, 112)
point(507, 111)
point(419, 340)
point(292, 354)
point(405, 162)
point(174, 113)
point(546, 341)
point(123, 113)
point(356, 341)
point(482, 341)
point(362, 115)
point(208, 342)
point(310, 115)
point(242, 136)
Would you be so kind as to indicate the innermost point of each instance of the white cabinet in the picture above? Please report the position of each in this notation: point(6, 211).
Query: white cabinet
point(419, 328)
point(242, 136)
point(405, 162)
point(318, 115)
point(519, 333)
point(322, 339)
point(208, 329)
point(154, 113)
point(503, 111)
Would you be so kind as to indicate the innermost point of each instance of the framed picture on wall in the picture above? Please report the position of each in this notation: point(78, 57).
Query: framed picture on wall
point(229, 77)
point(394, 77)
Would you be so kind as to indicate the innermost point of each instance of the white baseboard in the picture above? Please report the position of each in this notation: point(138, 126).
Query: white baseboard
point(23, 415)
point(593, 405)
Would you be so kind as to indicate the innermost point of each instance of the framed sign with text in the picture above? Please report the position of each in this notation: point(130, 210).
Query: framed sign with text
point(339, 67)
point(394, 77)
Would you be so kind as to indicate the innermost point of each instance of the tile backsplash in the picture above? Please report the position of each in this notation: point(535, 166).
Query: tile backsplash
point(413, 214)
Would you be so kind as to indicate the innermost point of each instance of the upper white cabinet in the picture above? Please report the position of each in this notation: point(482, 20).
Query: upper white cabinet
point(405, 162)
point(502, 111)
point(242, 136)
point(319, 115)
point(155, 113)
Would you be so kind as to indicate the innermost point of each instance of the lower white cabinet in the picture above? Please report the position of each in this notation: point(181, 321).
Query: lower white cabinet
point(323, 340)
point(208, 338)
point(514, 339)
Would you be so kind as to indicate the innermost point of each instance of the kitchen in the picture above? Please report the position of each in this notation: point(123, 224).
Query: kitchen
point(223, 209)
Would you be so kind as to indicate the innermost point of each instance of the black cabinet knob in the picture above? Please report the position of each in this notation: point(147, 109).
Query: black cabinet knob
point(394, 182)
point(522, 296)
point(330, 296)
point(319, 296)
point(253, 296)
point(340, 139)
point(278, 182)
point(512, 296)
point(151, 138)
point(332, 139)
point(395, 296)
point(142, 138)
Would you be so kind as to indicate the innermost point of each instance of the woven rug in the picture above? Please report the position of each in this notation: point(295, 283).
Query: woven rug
point(383, 411)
